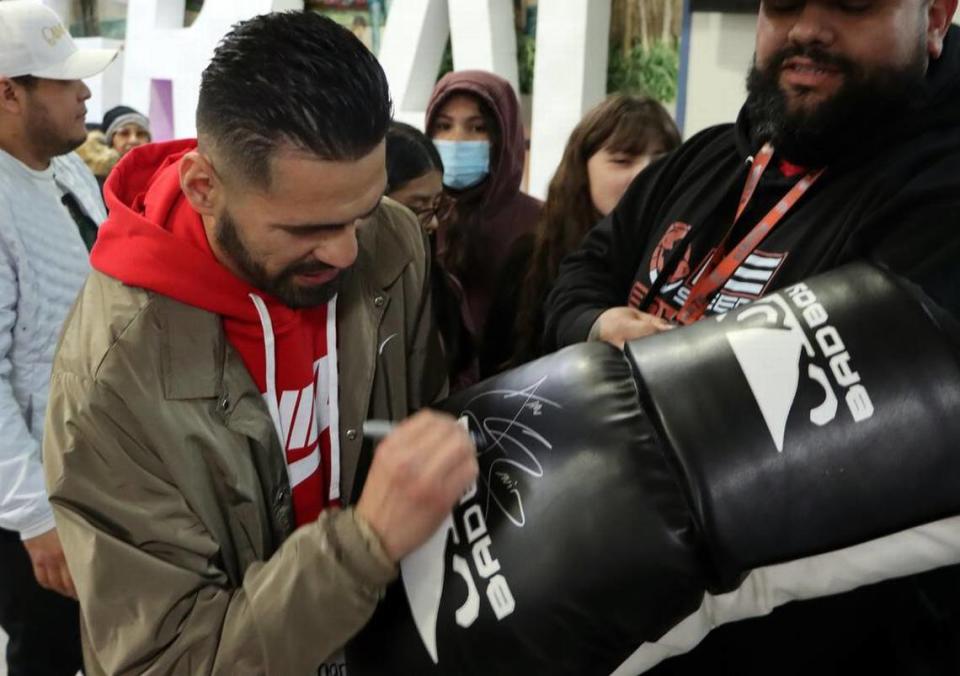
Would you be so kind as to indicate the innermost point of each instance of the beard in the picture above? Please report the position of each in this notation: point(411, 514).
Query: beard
point(281, 285)
point(866, 101)
point(46, 137)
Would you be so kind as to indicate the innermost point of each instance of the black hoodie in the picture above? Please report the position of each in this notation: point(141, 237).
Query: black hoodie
point(893, 198)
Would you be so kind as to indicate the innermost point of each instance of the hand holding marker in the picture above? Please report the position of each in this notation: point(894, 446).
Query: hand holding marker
point(377, 430)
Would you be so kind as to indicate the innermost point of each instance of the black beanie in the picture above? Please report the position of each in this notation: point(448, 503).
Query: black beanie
point(118, 116)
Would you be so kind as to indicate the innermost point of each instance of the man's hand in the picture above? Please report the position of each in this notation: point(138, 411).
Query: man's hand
point(620, 325)
point(418, 473)
point(49, 565)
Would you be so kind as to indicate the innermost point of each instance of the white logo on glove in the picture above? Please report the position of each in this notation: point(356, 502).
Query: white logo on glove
point(769, 356)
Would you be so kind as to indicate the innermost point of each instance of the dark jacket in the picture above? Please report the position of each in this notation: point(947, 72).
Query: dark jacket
point(894, 198)
point(501, 348)
point(496, 212)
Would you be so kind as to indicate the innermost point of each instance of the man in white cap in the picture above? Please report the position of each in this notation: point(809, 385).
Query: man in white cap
point(49, 206)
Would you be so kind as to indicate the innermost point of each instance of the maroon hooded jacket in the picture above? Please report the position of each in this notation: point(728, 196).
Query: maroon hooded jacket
point(505, 213)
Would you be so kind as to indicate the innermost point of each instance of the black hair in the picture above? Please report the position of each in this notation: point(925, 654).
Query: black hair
point(293, 79)
point(410, 155)
point(26, 81)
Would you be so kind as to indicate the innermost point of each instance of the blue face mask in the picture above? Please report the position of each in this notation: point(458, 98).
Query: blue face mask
point(465, 163)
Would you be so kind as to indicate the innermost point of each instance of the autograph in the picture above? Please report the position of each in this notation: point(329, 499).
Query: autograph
point(514, 443)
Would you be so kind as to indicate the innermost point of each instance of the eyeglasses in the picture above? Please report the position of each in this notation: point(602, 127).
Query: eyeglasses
point(441, 209)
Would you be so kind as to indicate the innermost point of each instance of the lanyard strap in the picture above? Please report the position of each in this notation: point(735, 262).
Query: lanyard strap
point(721, 267)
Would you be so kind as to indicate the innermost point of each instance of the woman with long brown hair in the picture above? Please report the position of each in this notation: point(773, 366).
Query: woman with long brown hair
point(613, 143)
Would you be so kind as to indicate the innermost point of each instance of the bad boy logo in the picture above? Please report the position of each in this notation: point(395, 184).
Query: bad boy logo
point(508, 451)
point(769, 348)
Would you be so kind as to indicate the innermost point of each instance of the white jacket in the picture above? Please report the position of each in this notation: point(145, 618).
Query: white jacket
point(43, 264)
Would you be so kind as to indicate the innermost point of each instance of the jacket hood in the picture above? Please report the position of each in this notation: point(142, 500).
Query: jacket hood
point(153, 239)
point(506, 170)
point(938, 105)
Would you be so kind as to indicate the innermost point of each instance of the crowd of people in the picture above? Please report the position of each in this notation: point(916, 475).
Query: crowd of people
point(183, 479)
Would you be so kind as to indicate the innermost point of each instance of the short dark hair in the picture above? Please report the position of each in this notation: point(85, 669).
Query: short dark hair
point(293, 79)
point(410, 155)
point(26, 81)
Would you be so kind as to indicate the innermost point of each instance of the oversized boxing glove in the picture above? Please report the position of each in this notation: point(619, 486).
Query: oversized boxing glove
point(817, 417)
point(616, 489)
point(575, 497)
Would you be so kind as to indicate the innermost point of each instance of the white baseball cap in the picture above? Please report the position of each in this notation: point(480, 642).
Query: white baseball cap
point(33, 41)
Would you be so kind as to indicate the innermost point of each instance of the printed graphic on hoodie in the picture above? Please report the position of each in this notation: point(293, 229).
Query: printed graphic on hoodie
point(299, 387)
point(749, 282)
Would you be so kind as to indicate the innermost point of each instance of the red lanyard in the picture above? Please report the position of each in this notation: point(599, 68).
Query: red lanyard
point(721, 268)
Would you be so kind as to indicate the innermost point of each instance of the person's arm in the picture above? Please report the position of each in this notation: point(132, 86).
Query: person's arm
point(916, 233)
point(155, 595)
point(24, 507)
point(598, 276)
point(156, 592)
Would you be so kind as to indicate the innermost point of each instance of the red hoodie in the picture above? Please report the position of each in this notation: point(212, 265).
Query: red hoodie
point(153, 239)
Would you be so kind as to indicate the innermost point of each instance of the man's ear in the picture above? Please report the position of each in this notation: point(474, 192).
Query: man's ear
point(200, 183)
point(11, 96)
point(939, 18)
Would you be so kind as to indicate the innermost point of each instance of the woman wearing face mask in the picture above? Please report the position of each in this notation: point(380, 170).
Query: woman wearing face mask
point(474, 119)
point(415, 179)
point(611, 145)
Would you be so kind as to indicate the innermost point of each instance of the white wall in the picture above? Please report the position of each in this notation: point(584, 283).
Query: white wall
point(570, 77)
point(106, 89)
point(159, 48)
point(721, 51)
point(482, 38)
point(423, 25)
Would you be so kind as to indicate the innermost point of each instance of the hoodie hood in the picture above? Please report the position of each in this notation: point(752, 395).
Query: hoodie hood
point(506, 169)
point(153, 239)
point(939, 106)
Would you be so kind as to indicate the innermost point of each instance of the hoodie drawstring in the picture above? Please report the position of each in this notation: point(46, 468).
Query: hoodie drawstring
point(307, 465)
point(270, 357)
point(334, 399)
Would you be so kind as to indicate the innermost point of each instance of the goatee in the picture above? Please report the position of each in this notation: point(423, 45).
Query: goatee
point(867, 101)
point(281, 285)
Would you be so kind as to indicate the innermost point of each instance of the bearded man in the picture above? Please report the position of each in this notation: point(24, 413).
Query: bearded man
point(50, 208)
point(254, 298)
point(848, 148)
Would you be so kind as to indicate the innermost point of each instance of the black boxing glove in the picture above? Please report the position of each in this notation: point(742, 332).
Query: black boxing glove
point(575, 497)
point(814, 418)
point(596, 527)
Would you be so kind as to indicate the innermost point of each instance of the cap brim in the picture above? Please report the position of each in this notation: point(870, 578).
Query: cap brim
point(82, 64)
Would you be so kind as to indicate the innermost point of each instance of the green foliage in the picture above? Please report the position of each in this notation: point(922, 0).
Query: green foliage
point(526, 55)
point(446, 63)
point(654, 72)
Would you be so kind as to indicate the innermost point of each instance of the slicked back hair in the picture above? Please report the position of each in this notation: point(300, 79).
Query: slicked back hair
point(291, 80)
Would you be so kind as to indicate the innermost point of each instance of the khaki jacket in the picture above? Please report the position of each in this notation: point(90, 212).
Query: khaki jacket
point(169, 485)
